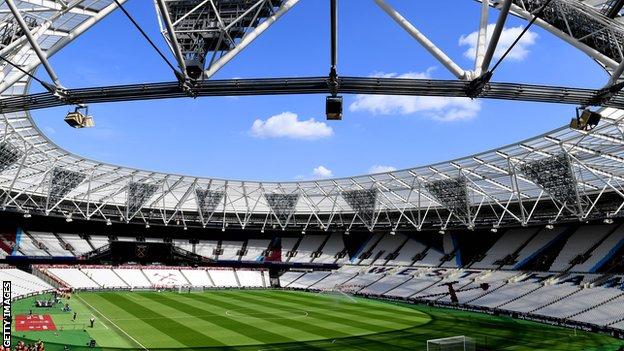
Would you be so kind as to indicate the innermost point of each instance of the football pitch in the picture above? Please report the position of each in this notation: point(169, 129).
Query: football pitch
point(271, 320)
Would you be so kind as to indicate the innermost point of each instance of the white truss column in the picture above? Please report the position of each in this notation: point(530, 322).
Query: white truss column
point(423, 40)
point(33, 43)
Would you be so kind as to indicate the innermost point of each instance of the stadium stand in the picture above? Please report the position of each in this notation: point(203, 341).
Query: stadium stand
point(308, 279)
point(331, 250)
point(51, 243)
point(577, 245)
point(133, 277)
point(387, 246)
point(308, 246)
point(206, 248)
point(28, 247)
point(165, 277)
point(224, 278)
point(287, 278)
point(98, 241)
point(543, 239)
point(197, 277)
point(184, 244)
point(408, 253)
point(256, 250)
point(79, 246)
point(505, 248)
point(250, 279)
point(230, 250)
point(22, 283)
point(597, 256)
point(105, 277)
point(288, 245)
point(74, 277)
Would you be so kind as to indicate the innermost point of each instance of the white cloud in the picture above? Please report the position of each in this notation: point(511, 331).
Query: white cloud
point(381, 169)
point(288, 125)
point(518, 53)
point(438, 108)
point(322, 172)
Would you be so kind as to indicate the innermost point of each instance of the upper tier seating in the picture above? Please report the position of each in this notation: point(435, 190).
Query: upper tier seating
point(407, 253)
point(206, 248)
point(539, 242)
point(80, 246)
point(287, 246)
point(230, 250)
point(511, 241)
point(98, 241)
point(28, 247)
point(308, 245)
point(579, 242)
point(256, 248)
point(52, 244)
point(602, 252)
point(388, 245)
point(330, 250)
point(184, 244)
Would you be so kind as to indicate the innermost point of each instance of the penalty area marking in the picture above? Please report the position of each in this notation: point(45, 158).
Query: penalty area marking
point(111, 322)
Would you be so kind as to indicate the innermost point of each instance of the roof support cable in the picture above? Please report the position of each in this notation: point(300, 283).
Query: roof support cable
point(476, 86)
point(179, 75)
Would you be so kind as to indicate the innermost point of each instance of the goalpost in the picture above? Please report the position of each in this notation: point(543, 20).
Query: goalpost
point(189, 289)
point(454, 343)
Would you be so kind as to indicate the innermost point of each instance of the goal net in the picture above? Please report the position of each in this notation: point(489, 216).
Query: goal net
point(189, 289)
point(455, 343)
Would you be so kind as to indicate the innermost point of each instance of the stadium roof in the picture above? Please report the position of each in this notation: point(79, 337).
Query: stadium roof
point(567, 171)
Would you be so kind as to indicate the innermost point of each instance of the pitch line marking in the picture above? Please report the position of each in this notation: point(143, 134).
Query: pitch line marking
point(113, 323)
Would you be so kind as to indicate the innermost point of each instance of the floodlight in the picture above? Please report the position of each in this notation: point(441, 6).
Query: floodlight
point(80, 118)
point(108, 222)
point(333, 108)
point(585, 120)
point(147, 226)
point(550, 226)
point(494, 230)
point(608, 221)
point(27, 214)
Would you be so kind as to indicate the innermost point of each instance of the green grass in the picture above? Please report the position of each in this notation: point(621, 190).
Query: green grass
point(287, 320)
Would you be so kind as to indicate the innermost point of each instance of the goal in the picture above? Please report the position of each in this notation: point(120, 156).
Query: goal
point(455, 343)
point(190, 289)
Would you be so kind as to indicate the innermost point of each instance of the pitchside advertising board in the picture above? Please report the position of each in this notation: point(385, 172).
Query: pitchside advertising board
point(6, 314)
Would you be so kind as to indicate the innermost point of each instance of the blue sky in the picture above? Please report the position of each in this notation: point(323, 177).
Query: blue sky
point(286, 137)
